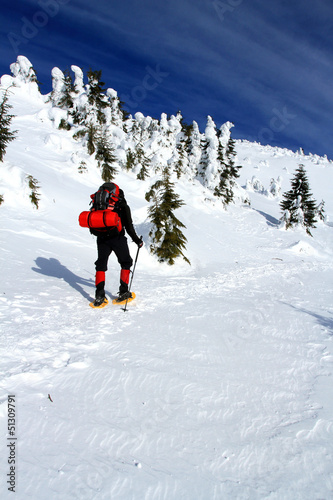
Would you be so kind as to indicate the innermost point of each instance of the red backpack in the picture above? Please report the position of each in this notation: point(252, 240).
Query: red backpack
point(102, 219)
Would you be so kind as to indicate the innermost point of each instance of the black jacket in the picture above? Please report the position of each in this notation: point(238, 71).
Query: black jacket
point(124, 212)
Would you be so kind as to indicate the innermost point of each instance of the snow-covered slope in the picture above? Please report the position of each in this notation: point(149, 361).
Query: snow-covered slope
point(217, 382)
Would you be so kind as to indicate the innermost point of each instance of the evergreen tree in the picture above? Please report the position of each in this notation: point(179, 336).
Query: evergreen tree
point(64, 125)
point(66, 100)
point(298, 206)
point(34, 195)
point(96, 95)
point(118, 114)
point(106, 158)
point(188, 130)
point(130, 160)
point(221, 190)
point(82, 167)
point(6, 135)
point(92, 115)
point(203, 164)
point(228, 172)
point(92, 134)
point(320, 210)
point(231, 154)
point(193, 149)
point(144, 161)
point(1, 199)
point(181, 157)
point(168, 241)
point(125, 114)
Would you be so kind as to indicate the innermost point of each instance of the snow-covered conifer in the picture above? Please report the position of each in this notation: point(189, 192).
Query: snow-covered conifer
point(23, 71)
point(6, 135)
point(92, 136)
point(96, 96)
point(275, 187)
point(58, 85)
point(34, 187)
point(203, 163)
point(143, 163)
point(92, 112)
point(78, 81)
point(82, 167)
point(167, 240)
point(228, 172)
point(105, 157)
point(63, 94)
point(130, 160)
point(117, 112)
point(208, 169)
point(66, 99)
point(180, 159)
point(298, 206)
point(320, 210)
point(193, 148)
point(187, 131)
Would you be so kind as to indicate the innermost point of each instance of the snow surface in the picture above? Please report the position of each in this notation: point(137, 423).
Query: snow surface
point(217, 381)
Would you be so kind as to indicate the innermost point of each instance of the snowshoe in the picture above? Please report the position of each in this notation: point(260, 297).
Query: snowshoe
point(99, 302)
point(124, 297)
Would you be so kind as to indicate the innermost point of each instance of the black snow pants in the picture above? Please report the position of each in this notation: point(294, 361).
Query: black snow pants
point(106, 245)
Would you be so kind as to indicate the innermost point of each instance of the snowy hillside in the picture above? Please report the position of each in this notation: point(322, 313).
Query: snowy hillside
point(217, 381)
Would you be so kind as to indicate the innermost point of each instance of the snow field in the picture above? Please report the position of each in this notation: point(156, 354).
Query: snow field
point(217, 381)
point(205, 388)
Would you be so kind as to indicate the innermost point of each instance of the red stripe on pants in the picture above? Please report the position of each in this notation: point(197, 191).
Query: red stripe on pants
point(124, 275)
point(100, 276)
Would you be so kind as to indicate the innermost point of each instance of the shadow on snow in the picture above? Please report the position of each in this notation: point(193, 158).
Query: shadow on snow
point(323, 321)
point(271, 221)
point(52, 267)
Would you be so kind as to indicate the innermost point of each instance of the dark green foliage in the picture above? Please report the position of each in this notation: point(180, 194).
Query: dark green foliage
point(203, 164)
point(228, 174)
point(92, 116)
point(168, 241)
point(230, 154)
point(179, 165)
point(130, 160)
point(33, 76)
point(105, 158)
point(320, 210)
point(78, 115)
point(91, 132)
point(1, 199)
point(6, 135)
point(96, 96)
point(66, 100)
point(125, 114)
point(79, 134)
point(187, 131)
point(64, 125)
point(188, 138)
point(298, 206)
point(82, 167)
point(144, 161)
point(34, 195)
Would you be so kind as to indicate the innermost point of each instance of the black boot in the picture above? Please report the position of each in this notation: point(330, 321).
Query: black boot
point(124, 296)
point(100, 295)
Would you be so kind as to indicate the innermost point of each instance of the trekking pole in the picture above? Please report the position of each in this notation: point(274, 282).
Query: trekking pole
point(130, 285)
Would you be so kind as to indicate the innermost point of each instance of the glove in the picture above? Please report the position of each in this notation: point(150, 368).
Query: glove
point(139, 242)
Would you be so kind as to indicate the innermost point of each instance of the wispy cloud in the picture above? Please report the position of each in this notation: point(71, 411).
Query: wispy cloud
point(240, 66)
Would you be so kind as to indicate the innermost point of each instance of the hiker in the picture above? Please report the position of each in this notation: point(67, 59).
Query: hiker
point(111, 239)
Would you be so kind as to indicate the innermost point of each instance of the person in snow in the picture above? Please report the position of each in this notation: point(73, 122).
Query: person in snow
point(109, 241)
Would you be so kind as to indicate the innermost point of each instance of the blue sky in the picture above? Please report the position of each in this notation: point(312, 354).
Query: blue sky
point(264, 65)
